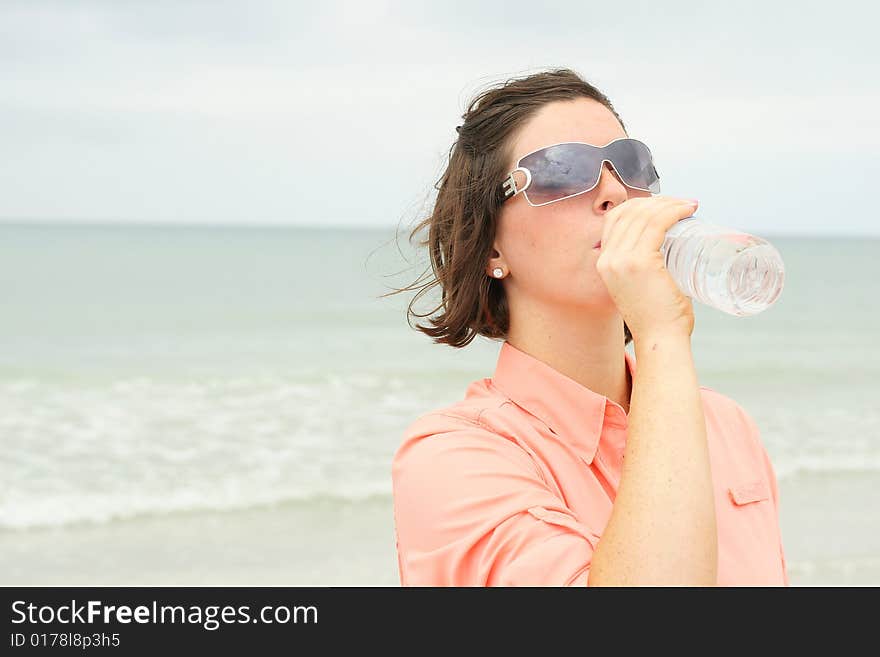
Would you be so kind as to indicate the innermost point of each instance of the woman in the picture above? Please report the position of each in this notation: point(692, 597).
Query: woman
point(574, 464)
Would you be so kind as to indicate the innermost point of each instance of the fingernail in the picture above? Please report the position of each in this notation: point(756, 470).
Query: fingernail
point(693, 201)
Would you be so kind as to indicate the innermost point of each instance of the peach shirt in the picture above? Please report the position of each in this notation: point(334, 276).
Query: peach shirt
point(514, 484)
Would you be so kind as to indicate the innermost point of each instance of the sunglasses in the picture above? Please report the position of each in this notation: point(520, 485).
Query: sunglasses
point(557, 172)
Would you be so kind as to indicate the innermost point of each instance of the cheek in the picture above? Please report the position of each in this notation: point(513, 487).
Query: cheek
point(563, 265)
point(531, 253)
point(553, 257)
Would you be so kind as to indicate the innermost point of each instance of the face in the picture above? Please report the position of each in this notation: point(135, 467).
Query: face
point(548, 253)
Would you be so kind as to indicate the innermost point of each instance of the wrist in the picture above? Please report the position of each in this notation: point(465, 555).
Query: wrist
point(660, 339)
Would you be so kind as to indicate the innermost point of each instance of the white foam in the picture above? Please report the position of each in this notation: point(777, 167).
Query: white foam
point(138, 446)
point(61, 510)
point(92, 453)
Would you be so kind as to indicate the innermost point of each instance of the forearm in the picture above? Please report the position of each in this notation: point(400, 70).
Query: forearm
point(662, 527)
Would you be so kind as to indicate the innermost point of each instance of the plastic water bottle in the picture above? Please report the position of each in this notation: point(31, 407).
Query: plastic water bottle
point(732, 271)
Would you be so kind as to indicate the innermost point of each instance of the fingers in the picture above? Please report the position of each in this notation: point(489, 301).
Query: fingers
point(650, 231)
point(643, 220)
point(654, 232)
point(619, 219)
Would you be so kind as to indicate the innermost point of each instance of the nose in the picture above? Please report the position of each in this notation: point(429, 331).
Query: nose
point(610, 191)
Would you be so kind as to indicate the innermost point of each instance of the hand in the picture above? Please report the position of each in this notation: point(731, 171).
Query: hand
point(633, 269)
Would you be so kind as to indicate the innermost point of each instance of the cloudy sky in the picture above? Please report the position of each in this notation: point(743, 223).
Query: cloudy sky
point(341, 113)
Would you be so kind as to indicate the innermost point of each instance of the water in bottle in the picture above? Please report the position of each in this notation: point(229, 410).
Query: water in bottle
point(724, 268)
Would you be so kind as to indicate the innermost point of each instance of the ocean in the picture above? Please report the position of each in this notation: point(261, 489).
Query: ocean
point(219, 405)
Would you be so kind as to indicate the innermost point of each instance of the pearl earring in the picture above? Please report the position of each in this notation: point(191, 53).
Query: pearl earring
point(498, 272)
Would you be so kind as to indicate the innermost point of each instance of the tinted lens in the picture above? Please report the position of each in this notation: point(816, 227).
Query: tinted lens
point(561, 170)
point(567, 169)
point(633, 162)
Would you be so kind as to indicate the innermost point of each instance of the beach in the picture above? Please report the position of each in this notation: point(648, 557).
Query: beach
point(333, 543)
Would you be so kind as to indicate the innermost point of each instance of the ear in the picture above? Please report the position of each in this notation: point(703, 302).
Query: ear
point(495, 260)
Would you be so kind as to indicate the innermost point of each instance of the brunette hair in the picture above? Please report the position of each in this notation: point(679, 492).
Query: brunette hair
point(461, 225)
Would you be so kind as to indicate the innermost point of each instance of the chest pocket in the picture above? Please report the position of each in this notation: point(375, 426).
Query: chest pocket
point(749, 491)
point(750, 547)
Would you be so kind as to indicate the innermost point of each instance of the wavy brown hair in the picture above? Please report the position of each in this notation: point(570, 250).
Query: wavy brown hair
point(461, 225)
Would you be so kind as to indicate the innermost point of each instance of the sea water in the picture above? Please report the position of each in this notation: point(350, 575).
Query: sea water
point(164, 389)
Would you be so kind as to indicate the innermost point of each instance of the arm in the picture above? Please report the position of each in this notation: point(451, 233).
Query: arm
point(662, 528)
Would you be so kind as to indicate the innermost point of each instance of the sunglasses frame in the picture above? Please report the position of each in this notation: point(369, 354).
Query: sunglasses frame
point(510, 188)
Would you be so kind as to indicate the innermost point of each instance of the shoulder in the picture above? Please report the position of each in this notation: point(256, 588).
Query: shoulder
point(480, 400)
point(720, 408)
point(463, 432)
point(464, 414)
point(729, 425)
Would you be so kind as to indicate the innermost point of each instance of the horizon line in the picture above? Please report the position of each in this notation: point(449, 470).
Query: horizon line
point(153, 223)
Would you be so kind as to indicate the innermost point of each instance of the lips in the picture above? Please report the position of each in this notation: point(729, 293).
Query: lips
point(597, 244)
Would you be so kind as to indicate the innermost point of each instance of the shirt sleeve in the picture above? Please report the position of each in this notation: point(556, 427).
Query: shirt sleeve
point(471, 508)
point(774, 489)
point(770, 473)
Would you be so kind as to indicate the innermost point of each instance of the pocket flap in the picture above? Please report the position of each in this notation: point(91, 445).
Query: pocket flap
point(750, 491)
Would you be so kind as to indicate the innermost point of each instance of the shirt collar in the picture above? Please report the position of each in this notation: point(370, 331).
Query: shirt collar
point(571, 410)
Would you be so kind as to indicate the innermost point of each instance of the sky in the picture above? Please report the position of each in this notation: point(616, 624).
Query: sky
point(342, 113)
